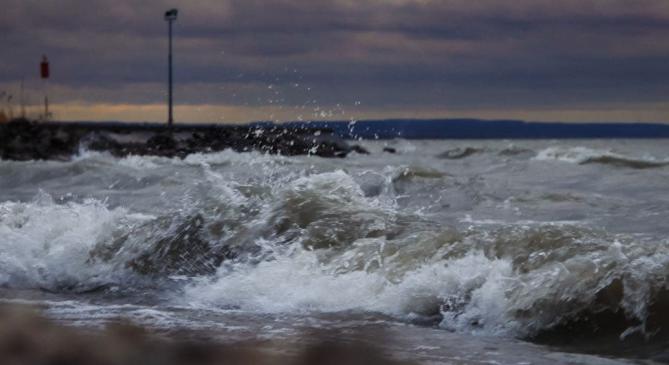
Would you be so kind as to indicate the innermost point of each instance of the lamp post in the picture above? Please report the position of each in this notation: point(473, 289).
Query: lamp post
point(170, 16)
point(44, 73)
point(23, 102)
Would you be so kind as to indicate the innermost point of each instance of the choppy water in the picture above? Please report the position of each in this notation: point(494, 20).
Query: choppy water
point(461, 251)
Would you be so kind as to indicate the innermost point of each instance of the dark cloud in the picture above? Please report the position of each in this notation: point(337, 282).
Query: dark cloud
point(393, 53)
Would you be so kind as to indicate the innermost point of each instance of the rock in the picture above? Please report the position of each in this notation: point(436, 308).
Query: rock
point(161, 142)
point(23, 140)
point(100, 142)
point(389, 150)
point(359, 149)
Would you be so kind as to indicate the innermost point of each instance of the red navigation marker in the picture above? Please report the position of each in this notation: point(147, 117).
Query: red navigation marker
point(44, 68)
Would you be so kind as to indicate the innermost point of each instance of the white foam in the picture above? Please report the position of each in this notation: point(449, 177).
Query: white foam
point(48, 245)
point(231, 157)
point(142, 162)
point(579, 155)
point(301, 283)
point(575, 155)
point(475, 291)
point(523, 222)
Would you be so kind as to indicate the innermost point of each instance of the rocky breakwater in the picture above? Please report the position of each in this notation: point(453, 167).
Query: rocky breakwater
point(25, 140)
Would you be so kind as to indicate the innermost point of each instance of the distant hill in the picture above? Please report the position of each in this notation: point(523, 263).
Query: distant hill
point(483, 129)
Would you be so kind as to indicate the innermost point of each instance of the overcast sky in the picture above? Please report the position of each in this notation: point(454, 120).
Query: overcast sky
point(241, 60)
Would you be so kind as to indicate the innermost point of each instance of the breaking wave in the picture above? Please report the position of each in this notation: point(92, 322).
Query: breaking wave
point(584, 156)
point(314, 241)
point(460, 280)
point(48, 245)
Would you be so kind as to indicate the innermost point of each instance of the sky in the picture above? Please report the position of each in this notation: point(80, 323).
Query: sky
point(246, 60)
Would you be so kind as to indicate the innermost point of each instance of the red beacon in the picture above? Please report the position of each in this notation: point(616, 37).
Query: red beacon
point(44, 68)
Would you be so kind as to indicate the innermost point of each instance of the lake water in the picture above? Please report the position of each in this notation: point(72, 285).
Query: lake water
point(444, 252)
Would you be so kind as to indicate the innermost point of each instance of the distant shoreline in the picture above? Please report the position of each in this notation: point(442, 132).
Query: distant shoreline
point(488, 129)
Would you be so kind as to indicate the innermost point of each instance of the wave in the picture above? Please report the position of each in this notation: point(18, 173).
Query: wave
point(512, 150)
point(47, 245)
point(584, 156)
point(460, 153)
point(468, 151)
point(460, 280)
point(319, 241)
point(626, 162)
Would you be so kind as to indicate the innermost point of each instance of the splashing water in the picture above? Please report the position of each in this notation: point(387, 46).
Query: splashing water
point(516, 241)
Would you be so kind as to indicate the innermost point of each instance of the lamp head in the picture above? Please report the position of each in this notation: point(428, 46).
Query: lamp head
point(171, 15)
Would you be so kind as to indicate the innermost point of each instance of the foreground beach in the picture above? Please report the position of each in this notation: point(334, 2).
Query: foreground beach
point(28, 338)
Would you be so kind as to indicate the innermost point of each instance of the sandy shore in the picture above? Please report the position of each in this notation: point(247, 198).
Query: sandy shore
point(27, 338)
